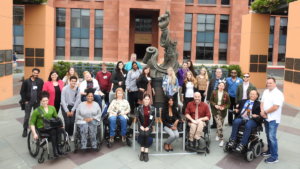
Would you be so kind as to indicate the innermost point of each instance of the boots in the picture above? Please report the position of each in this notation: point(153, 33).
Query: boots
point(24, 133)
point(142, 156)
point(146, 158)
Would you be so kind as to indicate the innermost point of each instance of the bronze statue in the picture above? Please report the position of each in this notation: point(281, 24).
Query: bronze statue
point(170, 56)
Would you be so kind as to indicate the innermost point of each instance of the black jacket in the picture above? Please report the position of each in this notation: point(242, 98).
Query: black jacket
point(169, 120)
point(116, 78)
point(255, 110)
point(25, 91)
point(139, 113)
point(211, 87)
point(142, 82)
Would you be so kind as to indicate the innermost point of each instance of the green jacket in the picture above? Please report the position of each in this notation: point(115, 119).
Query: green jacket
point(37, 119)
point(224, 102)
point(239, 92)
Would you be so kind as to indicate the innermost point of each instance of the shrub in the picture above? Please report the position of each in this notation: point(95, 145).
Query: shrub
point(62, 68)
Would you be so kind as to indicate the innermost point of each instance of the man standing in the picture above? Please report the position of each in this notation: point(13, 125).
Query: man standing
point(243, 89)
point(197, 113)
point(128, 65)
point(213, 84)
point(103, 78)
point(232, 83)
point(30, 92)
point(70, 99)
point(271, 108)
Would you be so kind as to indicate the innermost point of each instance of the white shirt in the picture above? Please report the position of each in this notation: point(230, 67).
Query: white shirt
point(220, 96)
point(83, 86)
point(189, 90)
point(245, 88)
point(271, 98)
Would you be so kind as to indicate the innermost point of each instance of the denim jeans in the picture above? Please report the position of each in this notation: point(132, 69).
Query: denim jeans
point(271, 130)
point(112, 125)
point(249, 125)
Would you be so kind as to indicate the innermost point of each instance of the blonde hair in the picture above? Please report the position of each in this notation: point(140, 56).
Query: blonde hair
point(172, 78)
point(68, 73)
point(206, 74)
point(193, 79)
point(86, 72)
point(117, 90)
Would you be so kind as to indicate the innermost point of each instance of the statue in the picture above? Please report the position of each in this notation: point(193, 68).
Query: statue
point(170, 56)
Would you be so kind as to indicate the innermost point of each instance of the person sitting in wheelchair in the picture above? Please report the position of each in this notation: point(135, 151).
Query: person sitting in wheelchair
point(118, 109)
point(248, 113)
point(87, 119)
point(37, 125)
point(197, 113)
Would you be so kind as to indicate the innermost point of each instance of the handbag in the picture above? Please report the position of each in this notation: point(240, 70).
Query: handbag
point(54, 122)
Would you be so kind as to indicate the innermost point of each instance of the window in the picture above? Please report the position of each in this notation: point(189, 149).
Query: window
point(60, 33)
point(143, 24)
point(189, 1)
point(225, 2)
point(224, 22)
point(188, 24)
point(207, 1)
point(80, 34)
point(271, 39)
point(205, 37)
point(282, 40)
point(18, 29)
point(98, 34)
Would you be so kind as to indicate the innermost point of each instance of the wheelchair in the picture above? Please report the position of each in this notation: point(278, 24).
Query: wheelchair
point(254, 147)
point(118, 136)
point(42, 142)
point(99, 136)
point(206, 140)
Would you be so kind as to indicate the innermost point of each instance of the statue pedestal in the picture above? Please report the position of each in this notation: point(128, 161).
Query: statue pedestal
point(159, 97)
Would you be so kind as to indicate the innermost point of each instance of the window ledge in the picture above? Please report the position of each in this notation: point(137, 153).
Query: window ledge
point(226, 6)
point(207, 5)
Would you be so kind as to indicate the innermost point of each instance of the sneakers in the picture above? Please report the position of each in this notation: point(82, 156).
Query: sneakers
point(221, 143)
point(217, 138)
point(271, 160)
point(231, 143)
point(266, 154)
point(72, 138)
point(24, 133)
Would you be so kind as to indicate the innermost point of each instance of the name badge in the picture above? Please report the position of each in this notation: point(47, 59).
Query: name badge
point(34, 87)
point(151, 117)
point(104, 77)
point(238, 81)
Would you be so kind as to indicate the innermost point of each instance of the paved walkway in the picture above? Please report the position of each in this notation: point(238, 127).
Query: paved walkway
point(14, 152)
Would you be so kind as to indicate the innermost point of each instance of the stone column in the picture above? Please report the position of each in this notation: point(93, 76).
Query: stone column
point(291, 84)
point(254, 47)
point(6, 32)
point(39, 39)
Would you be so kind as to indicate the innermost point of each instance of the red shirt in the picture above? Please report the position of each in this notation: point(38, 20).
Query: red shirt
point(203, 110)
point(104, 80)
point(146, 115)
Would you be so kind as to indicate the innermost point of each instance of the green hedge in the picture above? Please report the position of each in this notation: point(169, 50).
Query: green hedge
point(268, 6)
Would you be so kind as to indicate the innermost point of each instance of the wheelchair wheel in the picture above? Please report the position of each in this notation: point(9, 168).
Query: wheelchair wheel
point(250, 155)
point(128, 142)
point(41, 160)
point(257, 149)
point(225, 147)
point(33, 145)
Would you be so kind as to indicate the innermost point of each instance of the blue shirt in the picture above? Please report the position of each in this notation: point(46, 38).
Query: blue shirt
point(233, 85)
point(169, 88)
point(128, 66)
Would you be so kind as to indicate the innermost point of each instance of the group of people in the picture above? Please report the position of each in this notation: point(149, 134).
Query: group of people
point(81, 104)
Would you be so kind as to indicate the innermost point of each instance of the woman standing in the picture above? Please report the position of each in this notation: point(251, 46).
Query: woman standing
point(170, 119)
point(144, 85)
point(54, 87)
point(188, 88)
point(181, 74)
point(219, 103)
point(71, 72)
point(118, 109)
point(37, 124)
point(88, 117)
point(191, 67)
point(202, 83)
point(145, 117)
point(131, 86)
point(170, 85)
point(119, 76)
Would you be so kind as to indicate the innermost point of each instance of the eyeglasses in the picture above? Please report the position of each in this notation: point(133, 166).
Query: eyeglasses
point(233, 72)
point(246, 76)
